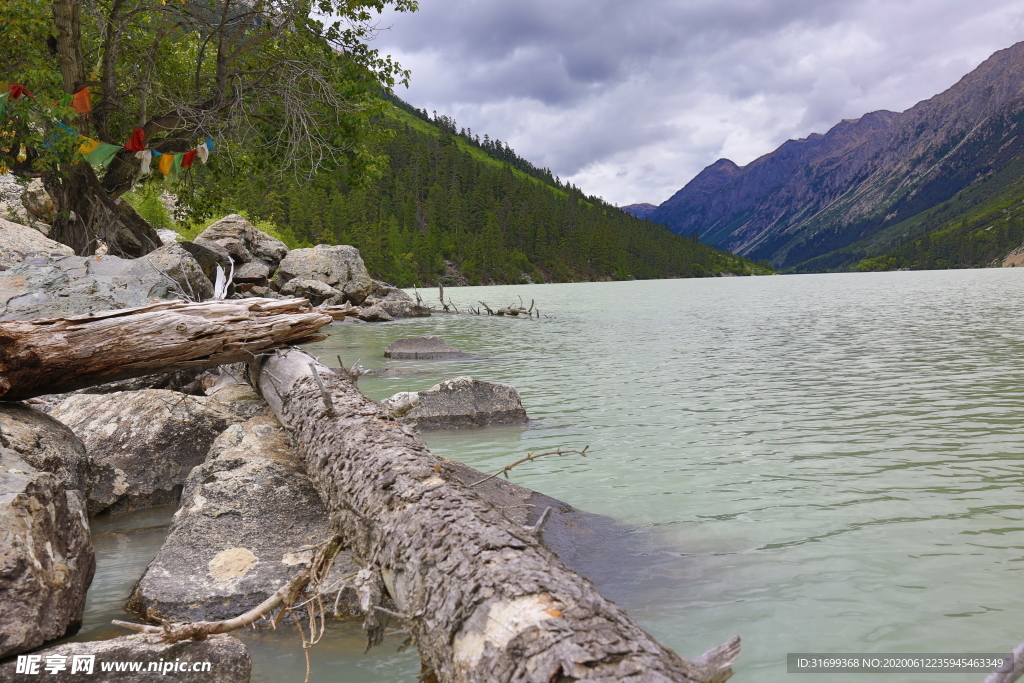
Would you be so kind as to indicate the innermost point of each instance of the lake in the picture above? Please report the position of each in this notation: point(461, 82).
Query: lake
point(817, 463)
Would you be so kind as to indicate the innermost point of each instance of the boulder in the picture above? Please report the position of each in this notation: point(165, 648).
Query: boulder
point(423, 348)
point(245, 242)
point(19, 243)
point(254, 272)
point(167, 236)
point(339, 266)
point(459, 402)
point(45, 444)
point(247, 520)
point(181, 267)
point(46, 558)
point(37, 201)
point(77, 285)
point(209, 256)
point(316, 291)
point(395, 302)
point(143, 444)
point(84, 662)
point(374, 314)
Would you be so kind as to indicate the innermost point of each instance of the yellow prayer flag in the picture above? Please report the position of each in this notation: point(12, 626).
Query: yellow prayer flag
point(166, 163)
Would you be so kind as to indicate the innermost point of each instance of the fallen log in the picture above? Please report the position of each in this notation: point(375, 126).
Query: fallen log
point(63, 354)
point(483, 600)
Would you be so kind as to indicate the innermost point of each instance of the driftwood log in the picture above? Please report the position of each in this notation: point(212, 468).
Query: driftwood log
point(483, 600)
point(63, 354)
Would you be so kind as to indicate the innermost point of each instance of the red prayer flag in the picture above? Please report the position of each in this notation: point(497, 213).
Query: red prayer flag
point(81, 102)
point(189, 157)
point(136, 141)
point(19, 90)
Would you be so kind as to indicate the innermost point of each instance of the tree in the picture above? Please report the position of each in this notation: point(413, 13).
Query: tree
point(279, 86)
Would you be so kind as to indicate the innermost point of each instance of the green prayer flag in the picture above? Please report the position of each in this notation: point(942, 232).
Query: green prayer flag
point(3, 104)
point(176, 166)
point(102, 155)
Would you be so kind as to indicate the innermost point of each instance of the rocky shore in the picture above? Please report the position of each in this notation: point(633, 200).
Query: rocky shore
point(248, 515)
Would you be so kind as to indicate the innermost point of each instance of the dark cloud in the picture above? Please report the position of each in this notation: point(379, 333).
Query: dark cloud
point(629, 100)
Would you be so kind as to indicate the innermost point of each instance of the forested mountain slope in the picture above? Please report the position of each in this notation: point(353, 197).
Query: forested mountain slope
point(452, 207)
point(868, 185)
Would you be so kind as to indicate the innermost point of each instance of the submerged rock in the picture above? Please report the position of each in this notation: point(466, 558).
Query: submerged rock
point(227, 657)
point(143, 444)
point(339, 266)
point(459, 402)
point(374, 314)
point(423, 348)
point(19, 243)
point(395, 302)
point(46, 558)
point(248, 518)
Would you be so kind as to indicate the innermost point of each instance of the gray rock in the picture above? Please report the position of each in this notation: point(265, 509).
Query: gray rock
point(245, 242)
point(395, 302)
point(20, 243)
point(45, 444)
point(46, 558)
point(228, 658)
point(339, 266)
point(167, 236)
point(254, 272)
point(459, 402)
point(374, 314)
point(247, 519)
point(208, 256)
point(179, 265)
point(316, 291)
point(423, 348)
point(78, 285)
point(143, 444)
point(37, 201)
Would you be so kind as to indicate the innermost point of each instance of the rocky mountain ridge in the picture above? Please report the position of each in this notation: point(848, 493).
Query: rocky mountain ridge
point(802, 204)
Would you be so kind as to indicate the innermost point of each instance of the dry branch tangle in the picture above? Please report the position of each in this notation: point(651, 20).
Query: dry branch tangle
point(62, 354)
point(484, 600)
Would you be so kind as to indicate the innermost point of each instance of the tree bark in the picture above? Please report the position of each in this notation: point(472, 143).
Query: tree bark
point(63, 354)
point(483, 599)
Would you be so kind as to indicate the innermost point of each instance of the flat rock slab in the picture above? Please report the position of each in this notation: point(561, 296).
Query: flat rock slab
point(46, 556)
point(423, 348)
point(20, 243)
point(457, 403)
point(248, 519)
point(143, 444)
point(228, 661)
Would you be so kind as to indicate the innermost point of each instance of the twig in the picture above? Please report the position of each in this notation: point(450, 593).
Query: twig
point(328, 403)
point(531, 456)
point(539, 526)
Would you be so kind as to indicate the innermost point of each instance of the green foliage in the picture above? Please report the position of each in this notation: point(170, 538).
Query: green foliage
point(441, 204)
point(146, 201)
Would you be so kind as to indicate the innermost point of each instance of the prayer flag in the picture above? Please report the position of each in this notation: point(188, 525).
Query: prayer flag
point(97, 153)
point(18, 91)
point(203, 152)
point(209, 144)
point(136, 141)
point(3, 104)
point(145, 156)
point(165, 163)
point(190, 156)
point(81, 102)
point(176, 165)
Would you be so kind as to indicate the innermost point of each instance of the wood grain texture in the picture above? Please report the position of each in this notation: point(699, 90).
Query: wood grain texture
point(483, 600)
point(63, 354)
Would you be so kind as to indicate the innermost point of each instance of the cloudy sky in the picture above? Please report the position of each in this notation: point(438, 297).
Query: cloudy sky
point(630, 99)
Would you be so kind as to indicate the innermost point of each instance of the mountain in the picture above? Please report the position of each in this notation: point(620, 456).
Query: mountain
point(868, 185)
point(643, 210)
point(451, 207)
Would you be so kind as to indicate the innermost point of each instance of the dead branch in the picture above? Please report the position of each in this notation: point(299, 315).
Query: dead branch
point(1012, 672)
point(531, 456)
point(63, 354)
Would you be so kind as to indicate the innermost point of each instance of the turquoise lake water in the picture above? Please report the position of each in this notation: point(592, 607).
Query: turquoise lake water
point(818, 463)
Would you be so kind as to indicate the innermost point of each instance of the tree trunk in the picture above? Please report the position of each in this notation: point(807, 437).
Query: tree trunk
point(84, 213)
point(483, 599)
point(54, 356)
